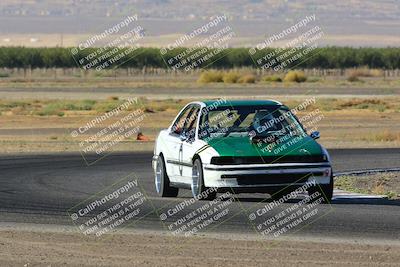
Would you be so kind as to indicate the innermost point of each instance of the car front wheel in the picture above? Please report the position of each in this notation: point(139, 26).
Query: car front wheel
point(163, 187)
point(198, 189)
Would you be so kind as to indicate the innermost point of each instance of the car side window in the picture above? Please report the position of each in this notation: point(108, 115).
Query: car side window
point(191, 122)
point(179, 124)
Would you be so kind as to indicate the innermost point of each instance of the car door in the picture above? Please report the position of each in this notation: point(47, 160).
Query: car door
point(173, 145)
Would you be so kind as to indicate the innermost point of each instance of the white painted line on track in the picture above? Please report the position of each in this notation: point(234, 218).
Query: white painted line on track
point(341, 194)
point(362, 172)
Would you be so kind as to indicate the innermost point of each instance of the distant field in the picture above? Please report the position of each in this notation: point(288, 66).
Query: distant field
point(40, 108)
point(38, 39)
point(46, 125)
point(166, 78)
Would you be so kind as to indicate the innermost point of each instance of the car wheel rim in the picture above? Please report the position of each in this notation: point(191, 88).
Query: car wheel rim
point(158, 176)
point(195, 181)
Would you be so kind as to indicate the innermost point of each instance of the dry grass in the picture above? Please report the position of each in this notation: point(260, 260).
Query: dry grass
point(81, 107)
point(346, 122)
point(211, 77)
point(231, 77)
point(365, 72)
point(272, 78)
point(385, 136)
point(113, 98)
point(88, 106)
point(226, 77)
point(295, 76)
point(353, 79)
point(247, 78)
point(188, 81)
point(379, 184)
point(373, 104)
point(356, 73)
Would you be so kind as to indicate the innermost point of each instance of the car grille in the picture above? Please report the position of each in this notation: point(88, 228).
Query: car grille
point(281, 178)
point(267, 159)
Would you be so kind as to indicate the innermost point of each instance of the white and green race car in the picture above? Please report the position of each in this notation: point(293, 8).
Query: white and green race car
point(239, 146)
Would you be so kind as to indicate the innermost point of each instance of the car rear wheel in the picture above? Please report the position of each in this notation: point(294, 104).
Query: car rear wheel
point(161, 180)
point(198, 189)
point(325, 190)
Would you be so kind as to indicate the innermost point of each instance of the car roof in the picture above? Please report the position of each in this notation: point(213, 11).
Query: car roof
point(228, 103)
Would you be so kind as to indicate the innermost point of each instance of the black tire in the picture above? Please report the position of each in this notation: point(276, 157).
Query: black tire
point(163, 187)
point(326, 191)
point(198, 189)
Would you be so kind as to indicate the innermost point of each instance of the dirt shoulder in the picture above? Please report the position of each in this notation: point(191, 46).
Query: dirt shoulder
point(29, 248)
point(387, 184)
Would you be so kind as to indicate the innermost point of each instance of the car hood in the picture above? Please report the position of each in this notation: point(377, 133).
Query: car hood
point(243, 146)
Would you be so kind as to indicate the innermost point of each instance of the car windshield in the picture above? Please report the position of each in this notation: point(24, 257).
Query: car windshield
point(249, 120)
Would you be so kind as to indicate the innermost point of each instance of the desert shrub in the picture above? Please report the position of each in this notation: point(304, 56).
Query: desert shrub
point(313, 80)
point(272, 78)
point(372, 104)
point(211, 77)
point(101, 73)
point(106, 106)
point(51, 109)
point(14, 104)
point(113, 98)
point(366, 72)
point(295, 76)
point(86, 104)
point(353, 78)
point(71, 105)
point(231, 77)
point(247, 78)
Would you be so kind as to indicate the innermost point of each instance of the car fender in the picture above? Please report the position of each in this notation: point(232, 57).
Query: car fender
point(325, 151)
point(205, 153)
point(159, 148)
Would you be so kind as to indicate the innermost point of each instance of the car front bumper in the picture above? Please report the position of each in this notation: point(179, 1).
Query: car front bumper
point(266, 175)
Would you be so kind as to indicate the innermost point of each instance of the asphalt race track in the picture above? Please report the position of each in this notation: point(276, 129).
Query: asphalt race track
point(41, 188)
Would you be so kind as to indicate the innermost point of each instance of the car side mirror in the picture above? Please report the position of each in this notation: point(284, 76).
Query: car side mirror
point(183, 136)
point(315, 135)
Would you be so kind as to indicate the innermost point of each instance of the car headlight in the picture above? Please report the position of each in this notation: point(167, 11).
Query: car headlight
point(226, 160)
point(325, 154)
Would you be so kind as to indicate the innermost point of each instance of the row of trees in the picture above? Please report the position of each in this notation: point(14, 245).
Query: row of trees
point(324, 58)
